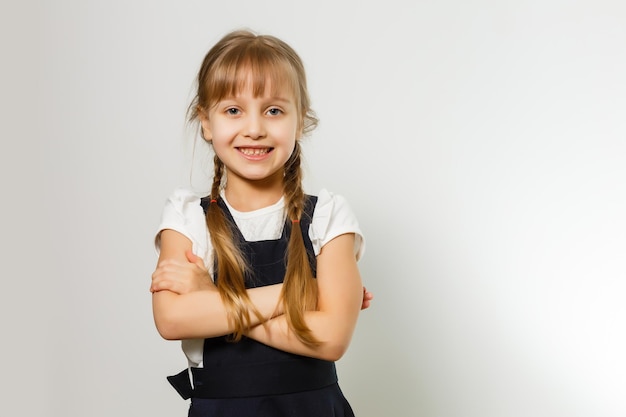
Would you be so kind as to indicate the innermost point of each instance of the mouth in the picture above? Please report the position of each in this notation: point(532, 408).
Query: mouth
point(255, 151)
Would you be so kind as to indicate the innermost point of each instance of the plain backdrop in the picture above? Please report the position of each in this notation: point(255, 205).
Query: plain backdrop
point(481, 143)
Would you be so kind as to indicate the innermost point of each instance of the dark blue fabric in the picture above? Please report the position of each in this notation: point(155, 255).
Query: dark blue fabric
point(249, 378)
point(324, 402)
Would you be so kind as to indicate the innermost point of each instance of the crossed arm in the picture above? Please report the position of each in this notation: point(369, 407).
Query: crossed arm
point(186, 304)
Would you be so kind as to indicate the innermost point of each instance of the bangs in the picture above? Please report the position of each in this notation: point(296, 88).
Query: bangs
point(250, 67)
point(264, 64)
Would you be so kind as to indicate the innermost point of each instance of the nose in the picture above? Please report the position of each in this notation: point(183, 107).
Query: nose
point(254, 128)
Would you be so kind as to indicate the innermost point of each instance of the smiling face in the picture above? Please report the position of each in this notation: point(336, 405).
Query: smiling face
point(253, 105)
point(254, 134)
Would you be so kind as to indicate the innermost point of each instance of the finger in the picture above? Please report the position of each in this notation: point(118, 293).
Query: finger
point(191, 257)
point(172, 263)
point(157, 274)
point(367, 295)
point(166, 285)
point(170, 269)
point(194, 259)
point(161, 279)
point(156, 283)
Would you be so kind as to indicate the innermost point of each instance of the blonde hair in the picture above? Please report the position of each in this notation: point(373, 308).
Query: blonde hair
point(239, 58)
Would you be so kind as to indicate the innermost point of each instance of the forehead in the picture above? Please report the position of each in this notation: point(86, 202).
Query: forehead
point(272, 79)
point(266, 86)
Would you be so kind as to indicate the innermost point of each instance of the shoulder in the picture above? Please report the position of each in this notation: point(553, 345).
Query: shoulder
point(182, 212)
point(183, 196)
point(181, 205)
point(333, 217)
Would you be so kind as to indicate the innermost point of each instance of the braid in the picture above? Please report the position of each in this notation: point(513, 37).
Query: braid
point(224, 72)
point(300, 288)
point(292, 185)
point(217, 177)
point(231, 265)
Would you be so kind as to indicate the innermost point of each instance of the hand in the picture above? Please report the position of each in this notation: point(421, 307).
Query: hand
point(367, 298)
point(181, 278)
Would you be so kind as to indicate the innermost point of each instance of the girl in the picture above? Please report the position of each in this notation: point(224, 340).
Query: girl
point(258, 280)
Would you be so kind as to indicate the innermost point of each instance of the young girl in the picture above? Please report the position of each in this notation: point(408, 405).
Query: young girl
point(258, 279)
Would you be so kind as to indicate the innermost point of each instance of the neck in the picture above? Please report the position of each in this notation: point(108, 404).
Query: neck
point(253, 195)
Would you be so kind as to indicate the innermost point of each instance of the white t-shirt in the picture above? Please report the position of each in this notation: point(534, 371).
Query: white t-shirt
point(183, 213)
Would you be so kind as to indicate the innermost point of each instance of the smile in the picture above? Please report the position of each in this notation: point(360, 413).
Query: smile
point(254, 151)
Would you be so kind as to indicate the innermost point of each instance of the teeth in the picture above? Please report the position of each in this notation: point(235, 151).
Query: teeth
point(254, 151)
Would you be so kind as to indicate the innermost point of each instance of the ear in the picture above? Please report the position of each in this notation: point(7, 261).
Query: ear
point(205, 125)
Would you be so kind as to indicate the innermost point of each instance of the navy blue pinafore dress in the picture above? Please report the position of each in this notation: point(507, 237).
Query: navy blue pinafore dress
point(250, 379)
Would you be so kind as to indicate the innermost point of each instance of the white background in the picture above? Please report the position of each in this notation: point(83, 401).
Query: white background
point(481, 143)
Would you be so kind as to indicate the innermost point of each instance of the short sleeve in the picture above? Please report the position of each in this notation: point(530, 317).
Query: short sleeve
point(183, 213)
point(334, 217)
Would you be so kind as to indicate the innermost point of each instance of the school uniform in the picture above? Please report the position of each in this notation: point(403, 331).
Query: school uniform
point(248, 378)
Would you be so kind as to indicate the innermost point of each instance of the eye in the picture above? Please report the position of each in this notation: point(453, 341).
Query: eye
point(232, 111)
point(274, 111)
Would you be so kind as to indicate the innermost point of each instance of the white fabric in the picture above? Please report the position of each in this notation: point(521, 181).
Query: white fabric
point(183, 213)
point(333, 217)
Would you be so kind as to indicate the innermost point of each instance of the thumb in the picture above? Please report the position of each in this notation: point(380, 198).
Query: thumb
point(191, 257)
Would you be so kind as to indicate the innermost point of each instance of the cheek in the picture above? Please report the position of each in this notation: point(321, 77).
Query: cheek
point(223, 131)
point(291, 131)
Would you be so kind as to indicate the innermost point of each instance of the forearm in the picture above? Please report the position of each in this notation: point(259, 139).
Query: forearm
point(333, 330)
point(340, 296)
point(202, 314)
